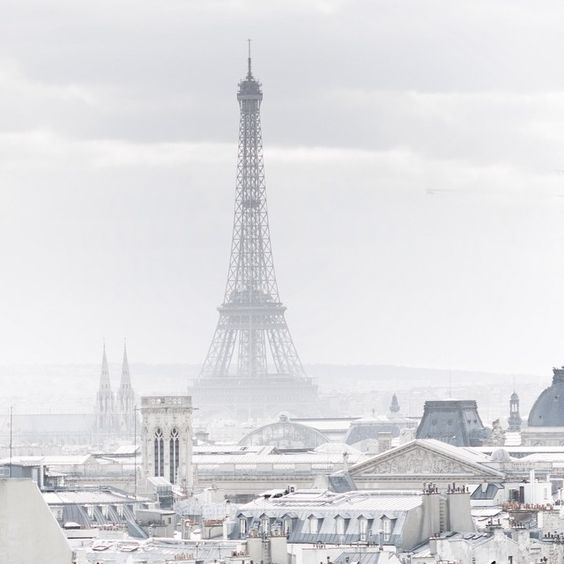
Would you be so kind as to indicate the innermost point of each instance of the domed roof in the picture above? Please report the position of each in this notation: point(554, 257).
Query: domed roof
point(548, 410)
point(500, 455)
point(285, 434)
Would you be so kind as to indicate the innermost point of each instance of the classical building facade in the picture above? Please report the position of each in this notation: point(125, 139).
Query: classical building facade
point(167, 439)
point(413, 464)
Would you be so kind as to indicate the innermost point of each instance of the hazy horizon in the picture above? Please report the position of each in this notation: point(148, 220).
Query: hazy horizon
point(414, 172)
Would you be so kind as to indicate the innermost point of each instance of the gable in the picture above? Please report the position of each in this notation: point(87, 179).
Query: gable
point(416, 459)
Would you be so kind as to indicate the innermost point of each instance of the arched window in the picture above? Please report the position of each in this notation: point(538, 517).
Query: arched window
point(159, 453)
point(174, 455)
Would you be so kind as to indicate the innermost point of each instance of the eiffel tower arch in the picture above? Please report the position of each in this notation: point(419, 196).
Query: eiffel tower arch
point(252, 367)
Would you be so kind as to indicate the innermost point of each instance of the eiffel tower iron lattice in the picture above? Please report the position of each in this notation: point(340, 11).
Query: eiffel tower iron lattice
point(252, 340)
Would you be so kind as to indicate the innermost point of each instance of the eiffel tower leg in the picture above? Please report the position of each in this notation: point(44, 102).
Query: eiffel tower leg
point(221, 348)
point(282, 347)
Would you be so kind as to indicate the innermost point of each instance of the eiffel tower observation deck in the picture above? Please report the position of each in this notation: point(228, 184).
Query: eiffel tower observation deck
point(252, 368)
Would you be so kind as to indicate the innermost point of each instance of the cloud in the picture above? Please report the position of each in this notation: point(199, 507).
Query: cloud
point(413, 158)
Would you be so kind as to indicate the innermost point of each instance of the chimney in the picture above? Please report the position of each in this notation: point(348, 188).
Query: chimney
point(459, 511)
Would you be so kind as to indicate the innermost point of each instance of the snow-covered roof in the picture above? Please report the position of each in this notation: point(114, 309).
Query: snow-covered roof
point(86, 497)
point(324, 501)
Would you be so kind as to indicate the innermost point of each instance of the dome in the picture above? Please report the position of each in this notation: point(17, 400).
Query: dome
point(548, 410)
point(500, 455)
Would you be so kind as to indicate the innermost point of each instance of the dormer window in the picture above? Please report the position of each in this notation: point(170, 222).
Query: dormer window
point(287, 526)
point(362, 528)
point(339, 525)
point(387, 528)
point(313, 525)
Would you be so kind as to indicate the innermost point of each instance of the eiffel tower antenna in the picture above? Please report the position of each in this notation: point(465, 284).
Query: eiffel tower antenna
point(252, 341)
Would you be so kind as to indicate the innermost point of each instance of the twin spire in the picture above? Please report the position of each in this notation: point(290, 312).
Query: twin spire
point(115, 413)
point(105, 372)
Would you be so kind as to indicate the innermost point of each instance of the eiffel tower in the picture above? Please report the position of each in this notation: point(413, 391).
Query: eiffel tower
point(252, 367)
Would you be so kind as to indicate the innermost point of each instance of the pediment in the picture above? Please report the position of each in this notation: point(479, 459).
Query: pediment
point(416, 459)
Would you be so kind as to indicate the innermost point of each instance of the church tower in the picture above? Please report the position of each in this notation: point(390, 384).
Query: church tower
point(394, 406)
point(105, 409)
point(125, 398)
point(167, 439)
point(514, 420)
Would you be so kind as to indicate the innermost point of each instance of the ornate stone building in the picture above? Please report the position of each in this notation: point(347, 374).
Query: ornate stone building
point(167, 439)
point(413, 464)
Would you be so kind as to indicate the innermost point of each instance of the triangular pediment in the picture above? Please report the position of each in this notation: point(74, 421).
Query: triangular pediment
point(425, 458)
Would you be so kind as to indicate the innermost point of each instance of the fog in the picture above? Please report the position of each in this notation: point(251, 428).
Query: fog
point(413, 161)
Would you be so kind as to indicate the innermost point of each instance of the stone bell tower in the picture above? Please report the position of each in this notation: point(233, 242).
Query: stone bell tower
point(167, 439)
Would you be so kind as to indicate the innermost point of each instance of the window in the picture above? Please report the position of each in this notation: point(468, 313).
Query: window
point(159, 453)
point(362, 527)
point(313, 525)
point(387, 528)
point(287, 526)
point(243, 527)
point(339, 525)
point(174, 457)
point(264, 525)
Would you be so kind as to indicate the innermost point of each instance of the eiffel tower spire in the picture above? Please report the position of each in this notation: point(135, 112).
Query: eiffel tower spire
point(252, 340)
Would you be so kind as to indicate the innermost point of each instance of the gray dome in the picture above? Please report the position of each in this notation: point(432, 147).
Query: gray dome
point(500, 455)
point(548, 410)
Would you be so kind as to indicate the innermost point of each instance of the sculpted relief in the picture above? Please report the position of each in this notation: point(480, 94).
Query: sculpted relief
point(418, 461)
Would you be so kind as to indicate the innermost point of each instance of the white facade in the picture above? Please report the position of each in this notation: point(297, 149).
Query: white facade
point(167, 439)
point(28, 529)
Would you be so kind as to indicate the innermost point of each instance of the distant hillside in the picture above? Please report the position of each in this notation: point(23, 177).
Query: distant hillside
point(349, 390)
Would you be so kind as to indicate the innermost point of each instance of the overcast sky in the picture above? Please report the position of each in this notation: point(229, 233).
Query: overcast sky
point(415, 172)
